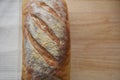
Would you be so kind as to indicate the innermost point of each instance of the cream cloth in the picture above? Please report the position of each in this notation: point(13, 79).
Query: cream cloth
point(9, 28)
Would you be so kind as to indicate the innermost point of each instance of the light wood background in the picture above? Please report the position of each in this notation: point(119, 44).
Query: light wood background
point(95, 39)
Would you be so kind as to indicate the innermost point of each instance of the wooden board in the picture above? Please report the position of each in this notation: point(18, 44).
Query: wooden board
point(95, 38)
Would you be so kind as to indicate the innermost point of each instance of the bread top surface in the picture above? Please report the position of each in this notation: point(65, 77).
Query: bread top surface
point(46, 34)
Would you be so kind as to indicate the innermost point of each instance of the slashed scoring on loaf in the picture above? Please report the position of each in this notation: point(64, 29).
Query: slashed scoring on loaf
point(46, 27)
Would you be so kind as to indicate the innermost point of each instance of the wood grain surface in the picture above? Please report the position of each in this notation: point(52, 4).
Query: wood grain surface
point(95, 35)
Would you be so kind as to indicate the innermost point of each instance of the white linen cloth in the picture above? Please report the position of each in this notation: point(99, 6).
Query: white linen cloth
point(9, 29)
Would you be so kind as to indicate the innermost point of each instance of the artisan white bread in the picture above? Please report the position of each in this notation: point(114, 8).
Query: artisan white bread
point(46, 40)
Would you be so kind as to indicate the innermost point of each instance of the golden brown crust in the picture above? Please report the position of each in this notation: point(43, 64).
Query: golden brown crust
point(40, 22)
point(46, 40)
point(40, 49)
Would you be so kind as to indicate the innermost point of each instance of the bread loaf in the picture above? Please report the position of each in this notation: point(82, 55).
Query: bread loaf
point(46, 40)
